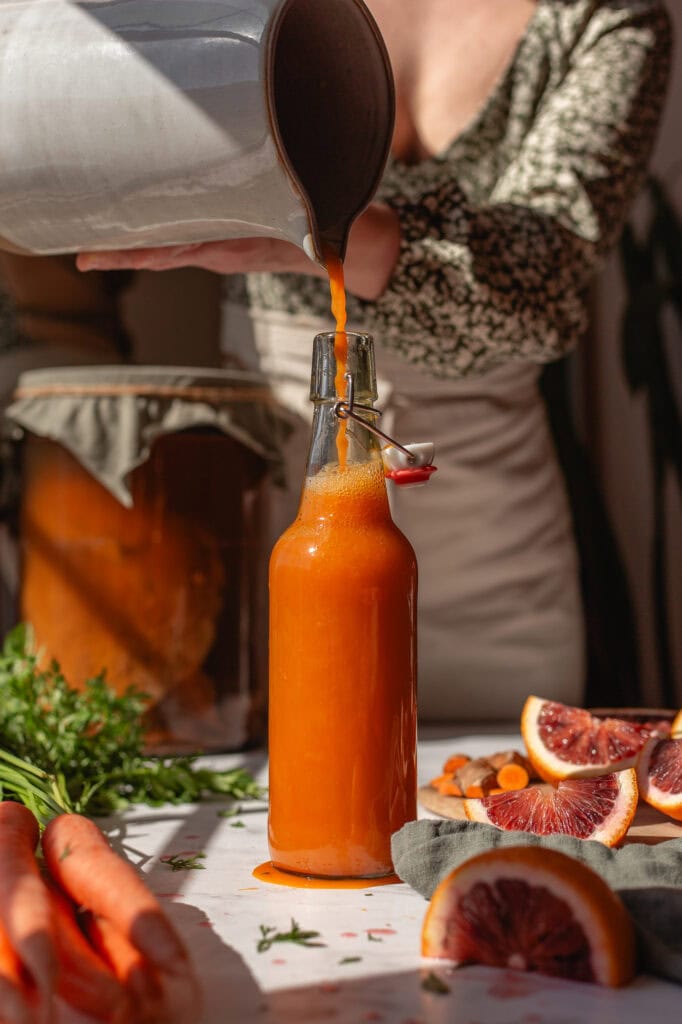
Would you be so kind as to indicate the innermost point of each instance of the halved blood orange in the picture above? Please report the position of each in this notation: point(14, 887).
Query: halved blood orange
point(600, 809)
point(659, 775)
point(533, 909)
point(568, 743)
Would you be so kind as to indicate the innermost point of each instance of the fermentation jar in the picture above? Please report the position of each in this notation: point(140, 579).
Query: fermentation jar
point(142, 539)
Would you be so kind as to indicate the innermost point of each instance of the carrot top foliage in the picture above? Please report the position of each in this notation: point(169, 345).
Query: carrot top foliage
point(63, 749)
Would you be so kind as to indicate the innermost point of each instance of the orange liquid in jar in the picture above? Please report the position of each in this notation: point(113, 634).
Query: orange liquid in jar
point(342, 671)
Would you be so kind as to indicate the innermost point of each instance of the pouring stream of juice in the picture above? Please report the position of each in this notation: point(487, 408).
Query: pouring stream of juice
point(338, 296)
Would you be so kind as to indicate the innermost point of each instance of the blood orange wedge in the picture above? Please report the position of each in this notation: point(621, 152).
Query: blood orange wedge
point(569, 743)
point(600, 809)
point(533, 909)
point(659, 775)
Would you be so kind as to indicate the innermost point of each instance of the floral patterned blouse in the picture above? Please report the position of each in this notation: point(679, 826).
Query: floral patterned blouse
point(502, 231)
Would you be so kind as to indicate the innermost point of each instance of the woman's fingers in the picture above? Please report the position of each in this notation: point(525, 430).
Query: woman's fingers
point(157, 258)
point(236, 256)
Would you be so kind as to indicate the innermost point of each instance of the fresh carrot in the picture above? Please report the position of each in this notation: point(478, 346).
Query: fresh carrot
point(129, 965)
point(454, 762)
point(80, 859)
point(11, 967)
point(18, 995)
point(25, 908)
point(157, 997)
point(84, 980)
point(13, 1006)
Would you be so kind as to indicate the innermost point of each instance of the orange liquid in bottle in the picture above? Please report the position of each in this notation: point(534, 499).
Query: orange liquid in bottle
point(342, 671)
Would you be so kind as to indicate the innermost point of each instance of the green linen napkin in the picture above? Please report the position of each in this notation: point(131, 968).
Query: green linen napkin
point(648, 879)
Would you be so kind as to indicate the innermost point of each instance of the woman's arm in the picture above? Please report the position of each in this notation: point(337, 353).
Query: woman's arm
point(475, 286)
point(371, 255)
point(459, 287)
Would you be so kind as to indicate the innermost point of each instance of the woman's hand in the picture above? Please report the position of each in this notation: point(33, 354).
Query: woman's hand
point(373, 247)
point(236, 256)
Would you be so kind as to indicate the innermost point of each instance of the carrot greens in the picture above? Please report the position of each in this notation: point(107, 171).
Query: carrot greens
point(178, 863)
point(270, 935)
point(63, 749)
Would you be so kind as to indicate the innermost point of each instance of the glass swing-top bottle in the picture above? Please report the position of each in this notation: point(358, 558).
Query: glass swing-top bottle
point(343, 589)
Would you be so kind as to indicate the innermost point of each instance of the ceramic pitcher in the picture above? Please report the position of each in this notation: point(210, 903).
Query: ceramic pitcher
point(128, 123)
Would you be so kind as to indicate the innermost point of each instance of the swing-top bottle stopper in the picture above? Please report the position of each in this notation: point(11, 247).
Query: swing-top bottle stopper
point(409, 464)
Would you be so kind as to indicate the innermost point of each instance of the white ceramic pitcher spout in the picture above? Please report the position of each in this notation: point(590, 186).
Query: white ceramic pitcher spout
point(128, 123)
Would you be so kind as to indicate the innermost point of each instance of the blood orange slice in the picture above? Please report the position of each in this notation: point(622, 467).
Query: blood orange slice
point(659, 775)
point(568, 743)
point(600, 809)
point(531, 909)
point(655, 721)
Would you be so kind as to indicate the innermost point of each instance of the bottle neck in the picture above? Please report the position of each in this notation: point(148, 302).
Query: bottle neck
point(341, 443)
point(348, 490)
point(344, 474)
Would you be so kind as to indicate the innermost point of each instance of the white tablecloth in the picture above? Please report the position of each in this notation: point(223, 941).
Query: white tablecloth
point(219, 910)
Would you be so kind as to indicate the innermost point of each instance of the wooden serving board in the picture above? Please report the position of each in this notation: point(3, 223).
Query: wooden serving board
point(649, 825)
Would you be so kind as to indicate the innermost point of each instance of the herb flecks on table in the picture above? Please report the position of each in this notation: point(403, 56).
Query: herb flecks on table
point(295, 935)
point(176, 862)
point(432, 983)
point(63, 749)
point(230, 812)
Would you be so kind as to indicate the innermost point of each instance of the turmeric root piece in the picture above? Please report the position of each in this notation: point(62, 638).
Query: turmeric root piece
point(450, 788)
point(455, 762)
point(501, 772)
point(512, 769)
point(512, 776)
point(446, 784)
point(476, 778)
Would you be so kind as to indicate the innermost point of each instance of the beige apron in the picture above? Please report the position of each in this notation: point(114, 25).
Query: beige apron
point(499, 605)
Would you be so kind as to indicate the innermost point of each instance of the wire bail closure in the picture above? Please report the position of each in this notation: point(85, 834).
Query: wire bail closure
point(410, 467)
point(344, 410)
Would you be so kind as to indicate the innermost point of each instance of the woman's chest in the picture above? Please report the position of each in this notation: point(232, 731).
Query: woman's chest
point(447, 57)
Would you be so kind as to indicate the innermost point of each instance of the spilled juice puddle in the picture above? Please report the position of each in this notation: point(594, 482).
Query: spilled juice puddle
point(267, 872)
